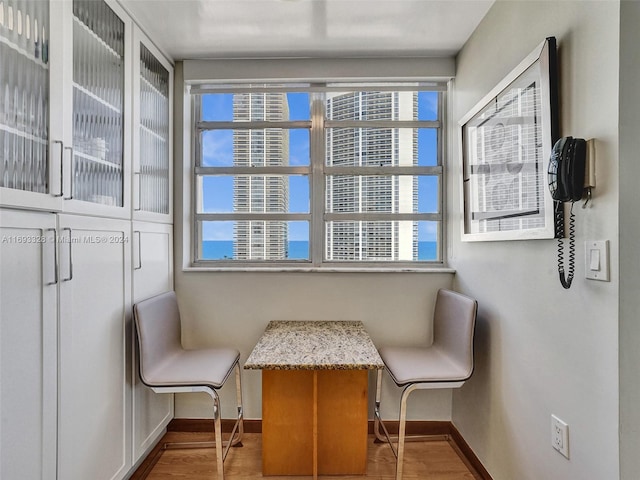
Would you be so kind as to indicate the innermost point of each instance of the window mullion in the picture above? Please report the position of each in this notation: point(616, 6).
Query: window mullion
point(385, 170)
point(251, 125)
point(196, 148)
point(248, 216)
point(385, 217)
point(318, 154)
point(269, 170)
point(441, 152)
point(383, 124)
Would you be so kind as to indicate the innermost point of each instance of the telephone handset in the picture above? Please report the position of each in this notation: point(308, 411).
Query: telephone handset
point(566, 169)
point(566, 176)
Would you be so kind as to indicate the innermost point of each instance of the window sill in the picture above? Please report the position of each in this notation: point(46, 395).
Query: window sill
point(337, 269)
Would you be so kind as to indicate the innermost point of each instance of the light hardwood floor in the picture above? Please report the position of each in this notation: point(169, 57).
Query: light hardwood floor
point(432, 460)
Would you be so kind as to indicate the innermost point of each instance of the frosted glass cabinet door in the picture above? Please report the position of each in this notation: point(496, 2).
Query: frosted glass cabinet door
point(100, 90)
point(153, 84)
point(28, 340)
point(26, 175)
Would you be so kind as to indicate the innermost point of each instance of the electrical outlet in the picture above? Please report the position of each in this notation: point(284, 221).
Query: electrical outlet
point(560, 436)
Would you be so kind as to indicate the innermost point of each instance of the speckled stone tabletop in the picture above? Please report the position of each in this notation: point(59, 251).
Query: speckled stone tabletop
point(314, 345)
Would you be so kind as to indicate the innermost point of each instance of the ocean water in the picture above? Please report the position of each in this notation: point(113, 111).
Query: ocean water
point(223, 249)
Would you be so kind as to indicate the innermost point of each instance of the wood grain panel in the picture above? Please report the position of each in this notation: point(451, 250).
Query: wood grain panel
point(314, 422)
point(342, 422)
point(287, 422)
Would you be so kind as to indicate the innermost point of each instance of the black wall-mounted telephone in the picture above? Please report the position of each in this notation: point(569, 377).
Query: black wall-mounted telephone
point(566, 176)
point(566, 169)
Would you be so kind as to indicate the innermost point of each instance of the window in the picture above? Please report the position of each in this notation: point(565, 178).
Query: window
point(308, 175)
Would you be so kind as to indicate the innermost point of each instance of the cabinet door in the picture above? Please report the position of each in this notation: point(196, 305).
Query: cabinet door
point(28, 346)
point(95, 393)
point(152, 275)
point(97, 177)
point(30, 143)
point(152, 133)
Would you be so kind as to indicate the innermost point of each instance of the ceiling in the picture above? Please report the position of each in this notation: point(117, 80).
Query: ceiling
point(187, 29)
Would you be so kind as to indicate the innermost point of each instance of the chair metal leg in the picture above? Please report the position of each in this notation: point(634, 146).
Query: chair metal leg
point(218, 435)
point(377, 419)
point(398, 450)
point(397, 443)
point(235, 437)
point(240, 419)
point(218, 443)
point(402, 424)
point(376, 407)
point(222, 447)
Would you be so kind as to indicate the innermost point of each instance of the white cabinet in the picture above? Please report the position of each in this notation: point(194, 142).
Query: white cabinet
point(66, 372)
point(152, 120)
point(100, 122)
point(31, 135)
point(152, 274)
point(66, 129)
point(95, 298)
point(85, 100)
point(153, 214)
point(28, 344)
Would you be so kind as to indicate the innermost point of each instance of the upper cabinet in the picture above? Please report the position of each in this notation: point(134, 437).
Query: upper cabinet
point(152, 119)
point(85, 111)
point(28, 176)
point(99, 94)
point(100, 91)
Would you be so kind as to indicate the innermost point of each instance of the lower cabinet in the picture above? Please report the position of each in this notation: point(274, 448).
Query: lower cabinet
point(94, 367)
point(28, 346)
point(152, 274)
point(71, 403)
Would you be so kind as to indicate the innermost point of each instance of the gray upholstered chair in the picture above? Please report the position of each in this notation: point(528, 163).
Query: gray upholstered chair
point(166, 367)
point(447, 363)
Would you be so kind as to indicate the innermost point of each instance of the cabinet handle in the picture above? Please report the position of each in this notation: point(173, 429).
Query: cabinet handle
point(137, 207)
point(139, 266)
point(61, 169)
point(70, 197)
point(55, 255)
point(70, 277)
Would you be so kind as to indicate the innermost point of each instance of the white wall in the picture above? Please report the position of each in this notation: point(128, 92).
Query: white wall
point(543, 350)
point(233, 308)
point(629, 198)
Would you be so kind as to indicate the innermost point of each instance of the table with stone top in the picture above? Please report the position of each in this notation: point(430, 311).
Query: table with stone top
point(314, 396)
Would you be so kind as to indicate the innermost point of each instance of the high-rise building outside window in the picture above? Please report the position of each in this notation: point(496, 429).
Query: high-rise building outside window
point(318, 176)
point(372, 147)
point(259, 240)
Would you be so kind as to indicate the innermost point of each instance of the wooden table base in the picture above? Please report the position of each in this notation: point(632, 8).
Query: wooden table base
point(314, 422)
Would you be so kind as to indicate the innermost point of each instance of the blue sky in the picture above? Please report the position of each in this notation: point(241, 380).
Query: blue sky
point(218, 151)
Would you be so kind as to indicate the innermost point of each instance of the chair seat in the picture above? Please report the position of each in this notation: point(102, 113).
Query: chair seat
point(207, 367)
point(419, 364)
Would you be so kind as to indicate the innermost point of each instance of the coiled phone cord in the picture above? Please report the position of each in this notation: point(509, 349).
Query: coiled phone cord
point(566, 281)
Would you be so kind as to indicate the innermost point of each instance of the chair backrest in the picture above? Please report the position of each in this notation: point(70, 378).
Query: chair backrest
point(454, 325)
point(157, 322)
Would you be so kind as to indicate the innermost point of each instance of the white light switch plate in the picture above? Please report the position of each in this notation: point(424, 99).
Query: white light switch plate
point(596, 260)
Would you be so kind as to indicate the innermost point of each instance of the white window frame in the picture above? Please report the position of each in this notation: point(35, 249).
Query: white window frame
point(317, 172)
